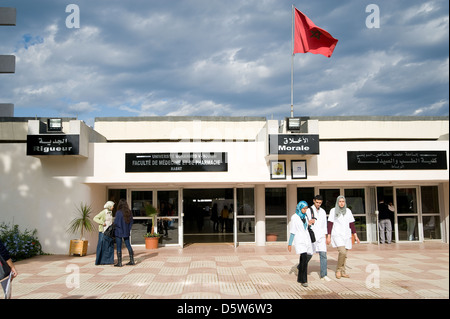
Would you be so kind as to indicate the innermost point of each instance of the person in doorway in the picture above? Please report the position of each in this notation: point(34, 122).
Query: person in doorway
point(341, 226)
point(301, 240)
point(105, 245)
point(318, 217)
point(123, 222)
point(385, 225)
point(215, 217)
point(224, 217)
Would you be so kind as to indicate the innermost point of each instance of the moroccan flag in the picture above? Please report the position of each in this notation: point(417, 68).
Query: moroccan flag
point(310, 38)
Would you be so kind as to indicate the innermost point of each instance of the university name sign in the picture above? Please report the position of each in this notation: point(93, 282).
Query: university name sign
point(393, 160)
point(175, 162)
point(53, 144)
point(293, 144)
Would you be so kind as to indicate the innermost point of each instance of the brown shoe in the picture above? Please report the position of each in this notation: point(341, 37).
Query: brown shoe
point(338, 274)
point(345, 275)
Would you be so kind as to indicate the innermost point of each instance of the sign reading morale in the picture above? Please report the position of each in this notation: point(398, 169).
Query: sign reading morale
point(176, 162)
point(293, 144)
point(392, 160)
point(53, 144)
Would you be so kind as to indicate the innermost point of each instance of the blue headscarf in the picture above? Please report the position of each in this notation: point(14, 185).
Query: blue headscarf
point(298, 210)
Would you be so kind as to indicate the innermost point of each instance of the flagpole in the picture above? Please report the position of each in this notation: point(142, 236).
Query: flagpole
point(292, 65)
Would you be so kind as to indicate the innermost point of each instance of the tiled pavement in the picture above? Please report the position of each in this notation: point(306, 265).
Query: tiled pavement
point(220, 271)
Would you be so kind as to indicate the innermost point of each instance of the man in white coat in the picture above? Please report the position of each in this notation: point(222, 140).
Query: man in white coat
point(319, 227)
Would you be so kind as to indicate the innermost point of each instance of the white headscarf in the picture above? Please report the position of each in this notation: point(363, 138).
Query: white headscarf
point(109, 205)
point(338, 211)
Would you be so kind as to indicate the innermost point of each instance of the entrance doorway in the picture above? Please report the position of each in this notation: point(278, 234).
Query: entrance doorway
point(202, 221)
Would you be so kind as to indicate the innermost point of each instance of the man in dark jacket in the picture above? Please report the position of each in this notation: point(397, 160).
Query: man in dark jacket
point(384, 216)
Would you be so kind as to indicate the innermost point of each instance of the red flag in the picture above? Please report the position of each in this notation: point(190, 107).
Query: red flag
point(310, 38)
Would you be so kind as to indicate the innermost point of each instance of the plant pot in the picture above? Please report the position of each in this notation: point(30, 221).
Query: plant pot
point(151, 242)
point(78, 247)
point(271, 237)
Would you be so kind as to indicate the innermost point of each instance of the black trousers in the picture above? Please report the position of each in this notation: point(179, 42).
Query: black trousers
point(303, 268)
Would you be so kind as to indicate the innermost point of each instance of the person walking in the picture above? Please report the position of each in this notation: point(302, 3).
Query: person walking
point(301, 240)
point(319, 218)
point(123, 223)
point(341, 226)
point(105, 245)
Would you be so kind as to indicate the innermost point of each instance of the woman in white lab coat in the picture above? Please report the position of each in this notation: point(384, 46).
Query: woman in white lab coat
point(341, 226)
point(301, 240)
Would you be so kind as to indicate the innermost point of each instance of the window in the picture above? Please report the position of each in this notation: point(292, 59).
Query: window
point(356, 202)
point(245, 215)
point(141, 223)
point(115, 195)
point(306, 194)
point(276, 214)
point(430, 212)
point(407, 213)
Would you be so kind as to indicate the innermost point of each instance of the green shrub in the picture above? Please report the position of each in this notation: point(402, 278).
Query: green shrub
point(21, 245)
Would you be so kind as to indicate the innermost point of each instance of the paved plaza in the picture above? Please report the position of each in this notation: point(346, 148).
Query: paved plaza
point(220, 271)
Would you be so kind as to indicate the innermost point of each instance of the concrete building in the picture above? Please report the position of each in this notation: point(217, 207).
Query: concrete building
point(258, 168)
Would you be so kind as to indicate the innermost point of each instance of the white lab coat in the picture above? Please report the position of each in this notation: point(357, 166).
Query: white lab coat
point(302, 241)
point(319, 228)
point(341, 234)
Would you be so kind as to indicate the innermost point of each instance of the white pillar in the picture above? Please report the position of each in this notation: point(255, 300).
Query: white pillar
point(260, 215)
point(291, 202)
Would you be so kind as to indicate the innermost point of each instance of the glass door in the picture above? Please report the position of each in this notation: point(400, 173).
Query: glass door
point(141, 223)
point(431, 220)
point(168, 219)
point(407, 214)
point(245, 216)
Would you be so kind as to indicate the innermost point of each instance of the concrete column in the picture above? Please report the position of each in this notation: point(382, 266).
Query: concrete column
point(292, 200)
point(260, 215)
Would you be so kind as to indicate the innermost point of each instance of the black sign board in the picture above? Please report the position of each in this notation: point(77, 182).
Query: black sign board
point(176, 162)
point(393, 160)
point(294, 144)
point(53, 144)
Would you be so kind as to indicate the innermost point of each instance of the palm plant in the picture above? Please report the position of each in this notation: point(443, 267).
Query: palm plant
point(152, 212)
point(82, 221)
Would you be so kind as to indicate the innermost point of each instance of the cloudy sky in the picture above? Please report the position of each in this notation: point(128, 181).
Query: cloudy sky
point(224, 58)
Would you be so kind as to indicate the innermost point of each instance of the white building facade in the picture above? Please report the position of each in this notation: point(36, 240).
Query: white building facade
point(190, 167)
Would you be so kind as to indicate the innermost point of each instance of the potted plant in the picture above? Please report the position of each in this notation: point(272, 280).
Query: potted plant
point(151, 238)
point(81, 223)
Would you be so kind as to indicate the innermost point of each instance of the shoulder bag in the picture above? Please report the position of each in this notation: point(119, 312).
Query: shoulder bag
point(110, 231)
point(311, 233)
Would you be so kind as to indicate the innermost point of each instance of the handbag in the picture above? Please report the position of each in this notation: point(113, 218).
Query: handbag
point(311, 233)
point(110, 231)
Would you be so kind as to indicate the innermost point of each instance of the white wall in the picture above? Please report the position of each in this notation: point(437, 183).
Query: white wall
point(42, 194)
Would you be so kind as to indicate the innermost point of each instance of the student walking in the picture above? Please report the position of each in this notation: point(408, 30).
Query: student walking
point(341, 226)
point(319, 227)
point(301, 240)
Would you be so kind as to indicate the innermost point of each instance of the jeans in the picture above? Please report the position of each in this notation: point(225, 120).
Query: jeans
point(323, 263)
point(127, 244)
